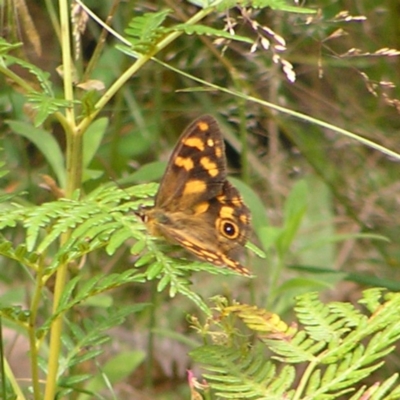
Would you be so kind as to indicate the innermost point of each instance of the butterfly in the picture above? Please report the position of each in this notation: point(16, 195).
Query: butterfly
point(195, 205)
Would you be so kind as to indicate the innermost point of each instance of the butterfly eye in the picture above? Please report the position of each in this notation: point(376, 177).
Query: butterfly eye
point(229, 229)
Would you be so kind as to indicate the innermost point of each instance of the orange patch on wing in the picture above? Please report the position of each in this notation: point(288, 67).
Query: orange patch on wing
point(221, 198)
point(218, 152)
point(201, 208)
point(210, 142)
point(237, 201)
point(209, 166)
point(194, 142)
point(226, 212)
point(203, 126)
point(186, 163)
point(193, 187)
point(244, 218)
point(235, 265)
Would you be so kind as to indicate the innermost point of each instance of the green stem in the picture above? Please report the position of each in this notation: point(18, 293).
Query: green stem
point(19, 395)
point(304, 380)
point(55, 336)
point(34, 355)
point(17, 79)
point(74, 179)
point(150, 340)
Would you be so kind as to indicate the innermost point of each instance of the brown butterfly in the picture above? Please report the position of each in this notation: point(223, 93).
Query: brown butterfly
point(196, 206)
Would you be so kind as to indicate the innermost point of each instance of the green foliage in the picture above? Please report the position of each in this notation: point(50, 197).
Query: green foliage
point(45, 105)
point(39, 74)
point(145, 31)
point(337, 348)
point(80, 272)
point(47, 145)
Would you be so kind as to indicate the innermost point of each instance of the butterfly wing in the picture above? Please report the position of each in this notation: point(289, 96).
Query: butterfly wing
point(196, 169)
point(196, 206)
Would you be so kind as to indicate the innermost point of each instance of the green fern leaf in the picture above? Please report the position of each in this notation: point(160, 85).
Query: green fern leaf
point(372, 298)
point(319, 322)
point(282, 382)
point(12, 216)
point(90, 338)
point(42, 76)
point(38, 218)
point(349, 316)
point(299, 349)
point(117, 238)
point(382, 388)
point(46, 105)
point(139, 246)
point(164, 282)
point(194, 297)
point(154, 269)
point(314, 382)
point(229, 375)
point(145, 31)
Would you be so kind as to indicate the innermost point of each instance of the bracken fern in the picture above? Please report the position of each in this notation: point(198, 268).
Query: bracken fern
point(337, 347)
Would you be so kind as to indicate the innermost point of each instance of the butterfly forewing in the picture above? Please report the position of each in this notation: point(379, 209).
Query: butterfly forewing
point(196, 169)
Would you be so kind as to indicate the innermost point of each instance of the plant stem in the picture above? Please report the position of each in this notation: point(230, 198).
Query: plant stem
point(19, 395)
point(150, 339)
point(304, 380)
point(74, 179)
point(32, 332)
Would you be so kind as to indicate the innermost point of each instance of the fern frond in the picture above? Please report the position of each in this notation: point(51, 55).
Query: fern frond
point(319, 320)
point(173, 273)
point(331, 367)
point(249, 376)
point(348, 315)
point(372, 298)
point(145, 31)
point(43, 77)
point(12, 214)
point(95, 286)
point(258, 319)
point(378, 390)
point(89, 336)
point(46, 105)
point(19, 253)
point(300, 348)
point(38, 218)
point(93, 222)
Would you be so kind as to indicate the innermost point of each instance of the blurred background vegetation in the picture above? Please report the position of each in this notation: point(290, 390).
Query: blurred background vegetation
point(346, 62)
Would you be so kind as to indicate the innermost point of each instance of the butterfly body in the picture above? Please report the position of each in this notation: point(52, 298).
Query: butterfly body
point(196, 206)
